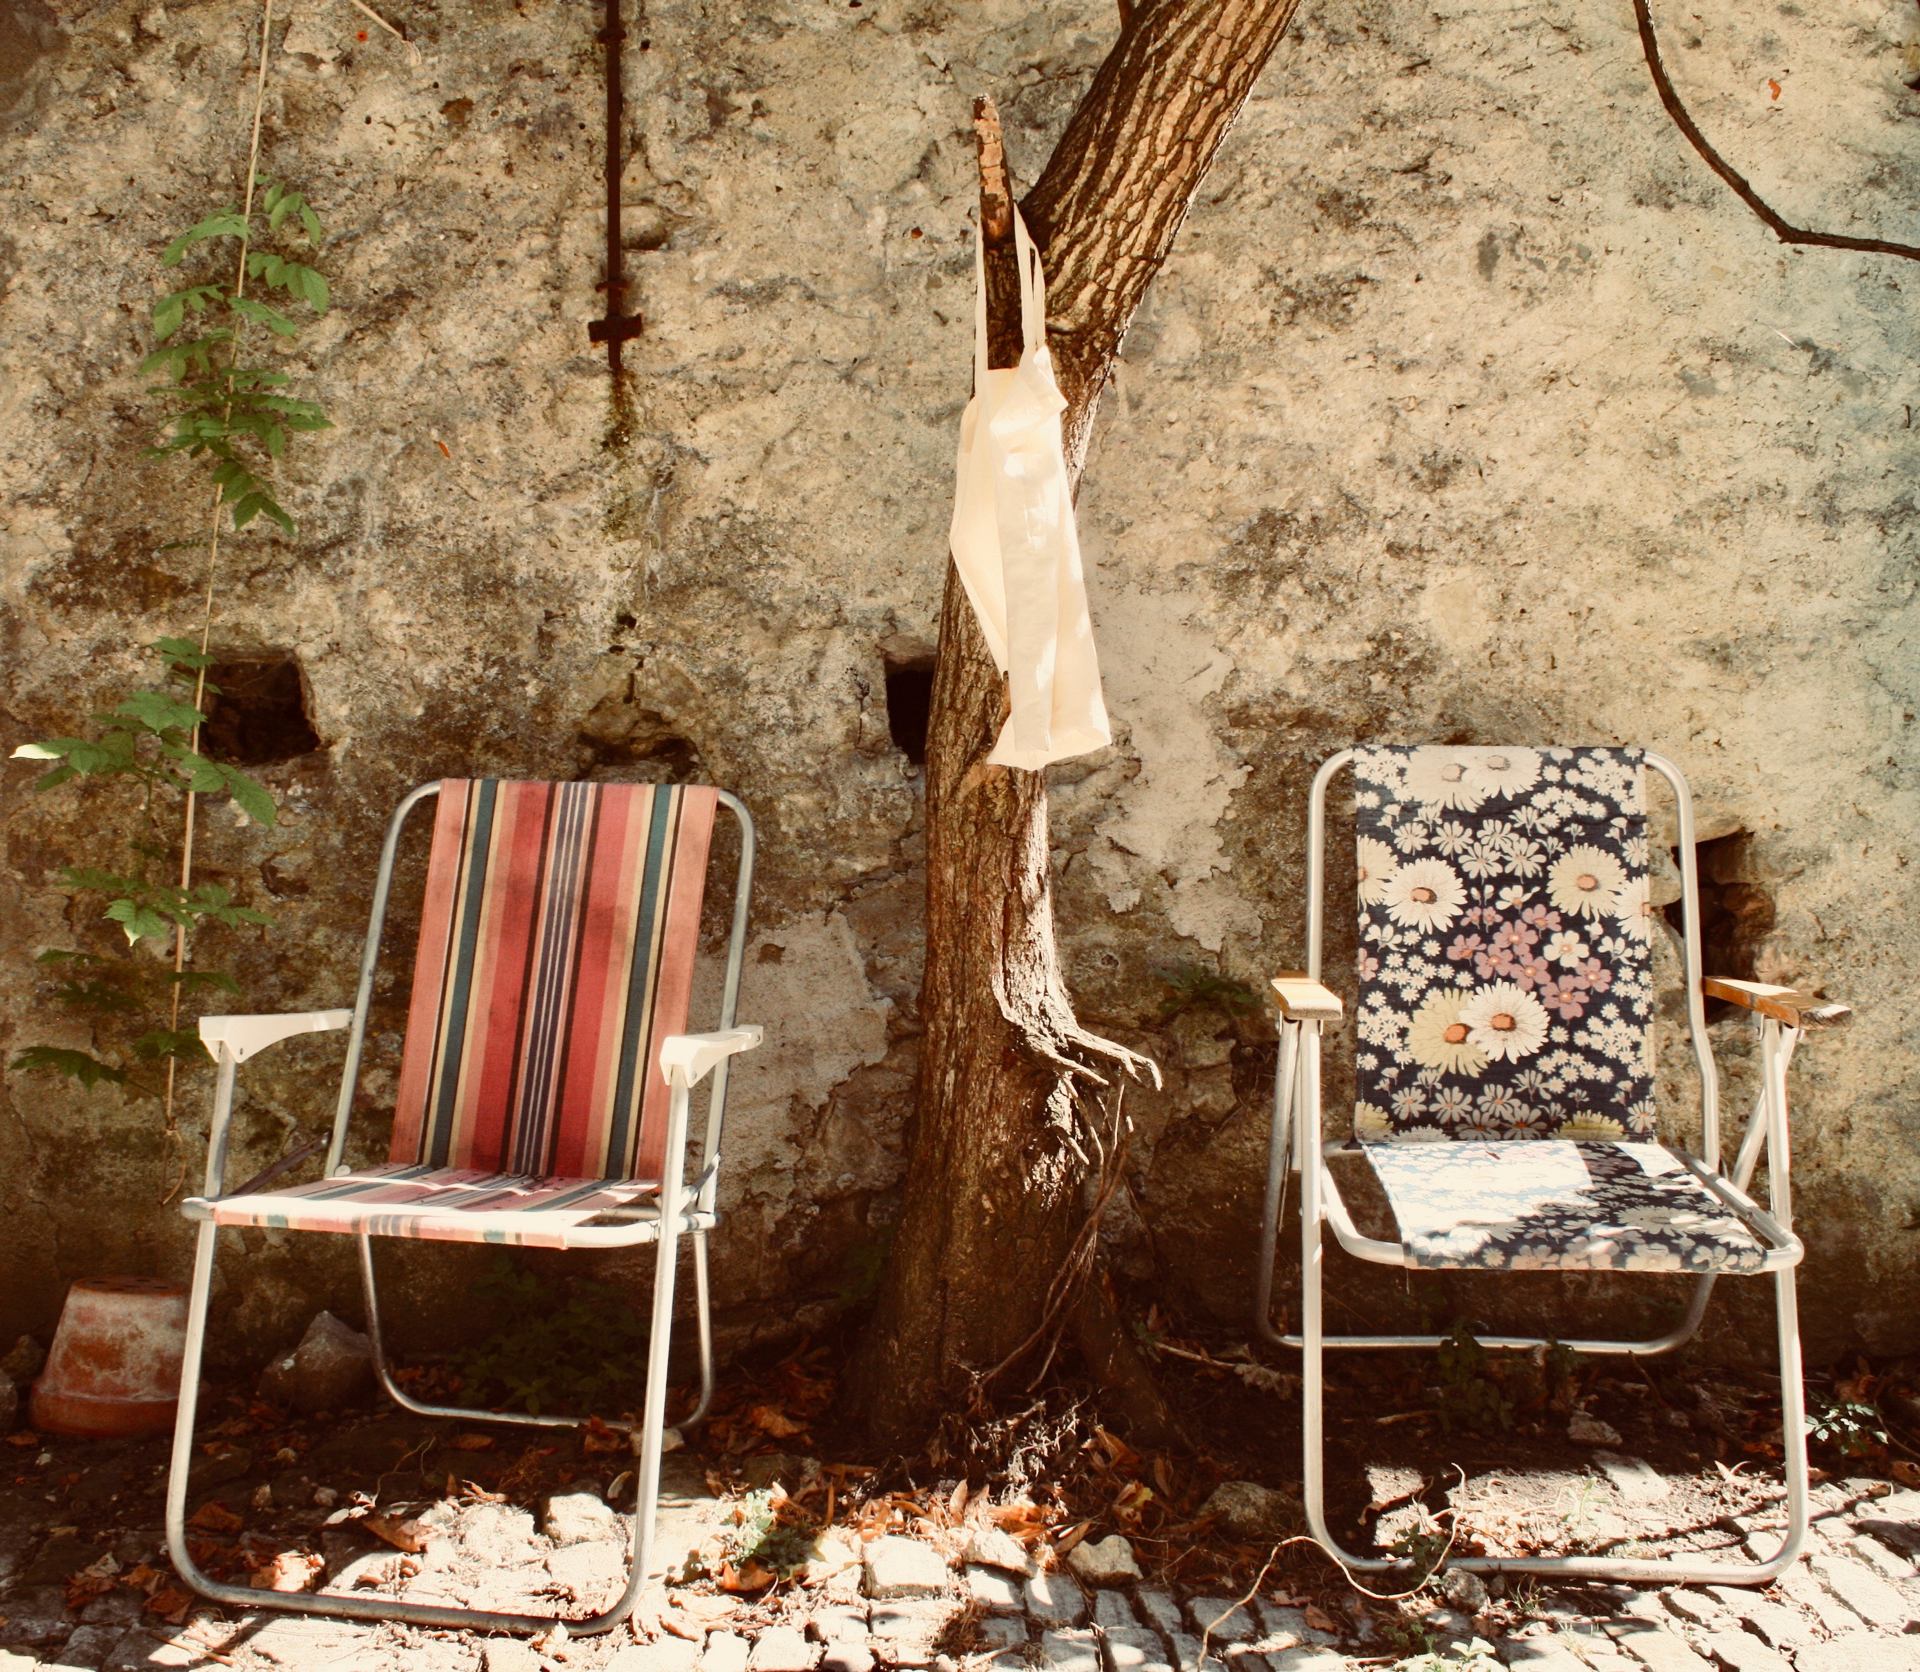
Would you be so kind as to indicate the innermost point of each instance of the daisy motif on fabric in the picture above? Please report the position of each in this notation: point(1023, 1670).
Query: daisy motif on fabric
point(1441, 778)
point(1506, 931)
point(1440, 1037)
point(1424, 894)
point(1505, 1022)
point(1584, 881)
point(1633, 908)
point(1373, 862)
point(1506, 772)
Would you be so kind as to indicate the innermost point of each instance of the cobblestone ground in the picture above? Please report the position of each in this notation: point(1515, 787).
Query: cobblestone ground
point(968, 1598)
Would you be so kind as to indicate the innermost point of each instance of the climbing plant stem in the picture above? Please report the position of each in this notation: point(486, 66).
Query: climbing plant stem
point(189, 816)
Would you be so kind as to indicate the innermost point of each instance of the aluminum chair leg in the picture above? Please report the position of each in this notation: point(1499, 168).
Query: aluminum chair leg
point(350, 1607)
point(1673, 1571)
point(383, 1371)
point(1289, 1094)
point(703, 1311)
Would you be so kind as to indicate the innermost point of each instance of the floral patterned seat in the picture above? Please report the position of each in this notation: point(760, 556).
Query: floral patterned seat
point(1505, 996)
point(1520, 1205)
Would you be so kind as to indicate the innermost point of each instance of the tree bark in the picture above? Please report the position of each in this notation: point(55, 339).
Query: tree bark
point(993, 1199)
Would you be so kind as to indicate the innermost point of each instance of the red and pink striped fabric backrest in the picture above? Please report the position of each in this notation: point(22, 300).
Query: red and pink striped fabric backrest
point(556, 953)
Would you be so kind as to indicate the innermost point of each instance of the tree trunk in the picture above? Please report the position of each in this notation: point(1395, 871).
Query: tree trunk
point(993, 1197)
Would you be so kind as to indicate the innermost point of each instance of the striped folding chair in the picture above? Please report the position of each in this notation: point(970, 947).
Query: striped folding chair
point(1503, 1071)
point(544, 1094)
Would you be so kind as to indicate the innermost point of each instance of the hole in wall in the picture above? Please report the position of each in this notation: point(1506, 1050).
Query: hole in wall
point(1736, 913)
point(257, 710)
point(909, 675)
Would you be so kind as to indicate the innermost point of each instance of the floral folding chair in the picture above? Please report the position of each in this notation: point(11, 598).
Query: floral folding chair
point(544, 1096)
point(1504, 1074)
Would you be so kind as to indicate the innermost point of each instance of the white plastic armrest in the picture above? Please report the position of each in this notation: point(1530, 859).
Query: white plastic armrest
point(688, 1058)
point(243, 1036)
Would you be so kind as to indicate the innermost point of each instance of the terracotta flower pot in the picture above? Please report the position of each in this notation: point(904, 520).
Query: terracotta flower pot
point(115, 1363)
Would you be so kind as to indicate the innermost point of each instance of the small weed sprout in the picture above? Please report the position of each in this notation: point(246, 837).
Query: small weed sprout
point(1850, 1427)
point(1468, 1395)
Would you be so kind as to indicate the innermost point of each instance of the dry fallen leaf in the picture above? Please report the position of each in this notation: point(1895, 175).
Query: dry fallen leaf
point(289, 1570)
point(214, 1517)
point(770, 1420)
point(403, 1532)
point(170, 1603)
point(596, 1436)
point(401, 1568)
point(472, 1442)
point(1907, 1474)
point(1318, 1618)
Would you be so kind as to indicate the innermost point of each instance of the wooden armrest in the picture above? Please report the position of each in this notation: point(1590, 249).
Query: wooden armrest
point(1301, 1000)
point(1783, 1004)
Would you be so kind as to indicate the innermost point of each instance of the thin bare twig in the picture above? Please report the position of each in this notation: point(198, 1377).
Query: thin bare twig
point(1782, 229)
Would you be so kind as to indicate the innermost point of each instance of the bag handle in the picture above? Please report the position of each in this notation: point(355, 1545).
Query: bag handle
point(1033, 296)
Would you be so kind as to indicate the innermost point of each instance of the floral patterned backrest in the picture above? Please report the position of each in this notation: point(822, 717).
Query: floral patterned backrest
point(1505, 948)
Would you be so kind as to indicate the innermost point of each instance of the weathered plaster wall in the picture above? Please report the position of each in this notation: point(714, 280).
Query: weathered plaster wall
point(1468, 406)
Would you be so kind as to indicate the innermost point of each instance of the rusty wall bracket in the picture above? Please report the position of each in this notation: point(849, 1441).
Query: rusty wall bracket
point(618, 325)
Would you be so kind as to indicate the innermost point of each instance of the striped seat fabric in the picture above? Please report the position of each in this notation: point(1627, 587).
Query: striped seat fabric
point(555, 956)
point(440, 1204)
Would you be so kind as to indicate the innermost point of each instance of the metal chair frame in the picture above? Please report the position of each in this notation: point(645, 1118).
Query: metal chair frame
point(679, 1210)
point(1297, 1088)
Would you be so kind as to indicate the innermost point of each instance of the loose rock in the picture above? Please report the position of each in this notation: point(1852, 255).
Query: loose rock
point(1249, 1510)
point(903, 1567)
point(25, 1359)
point(1585, 1430)
point(330, 1369)
point(1108, 1562)
point(575, 1517)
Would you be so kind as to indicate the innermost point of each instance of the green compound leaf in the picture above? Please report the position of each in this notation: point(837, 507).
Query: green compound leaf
point(226, 224)
point(90, 1071)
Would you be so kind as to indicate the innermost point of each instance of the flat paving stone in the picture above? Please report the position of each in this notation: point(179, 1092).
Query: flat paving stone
point(1859, 1651)
point(781, 1649)
point(508, 1654)
point(1056, 1601)
point(665, 1653)
point(1743, 1652)
point(1282, 1621)
point(1113, 1611)
point(1004, 1631)
point(1695, 1606)
point(905, 1633)
point(726, 1651)
point(996, 1591)
point(839, 1623)
point(1657, 1646)
point(1160, 1611)
point(1309, 1657)
point(1221, 1620)
point(1865, 1592)
point(1070, 1651)
point(843, 1656)
point(1542, 1654)
point(1133, 1649)
point(1780, 1626)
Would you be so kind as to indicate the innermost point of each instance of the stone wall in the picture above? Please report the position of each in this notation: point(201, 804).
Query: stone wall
point(1468, 406)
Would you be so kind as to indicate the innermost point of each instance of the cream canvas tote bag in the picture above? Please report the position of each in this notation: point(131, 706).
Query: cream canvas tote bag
point(1014, 540)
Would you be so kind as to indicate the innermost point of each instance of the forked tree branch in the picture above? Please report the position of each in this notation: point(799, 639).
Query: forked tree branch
point(1782, 229)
